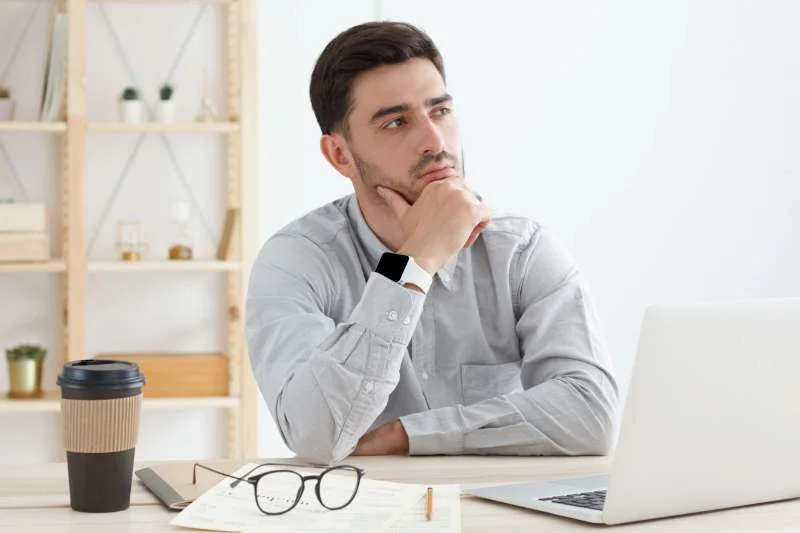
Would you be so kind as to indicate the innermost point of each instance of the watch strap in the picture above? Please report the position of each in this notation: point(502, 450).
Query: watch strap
point(416, 275)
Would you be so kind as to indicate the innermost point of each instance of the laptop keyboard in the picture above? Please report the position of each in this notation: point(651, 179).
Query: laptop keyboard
point(589, 500)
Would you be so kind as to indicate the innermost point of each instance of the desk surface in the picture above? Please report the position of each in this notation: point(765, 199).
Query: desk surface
point(43, 489)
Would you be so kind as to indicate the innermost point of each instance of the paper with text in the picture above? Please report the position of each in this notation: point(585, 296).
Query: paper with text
point(446, 516)
point(377, 506)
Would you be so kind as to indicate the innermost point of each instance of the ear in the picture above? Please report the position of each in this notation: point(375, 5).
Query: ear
point(334, 148)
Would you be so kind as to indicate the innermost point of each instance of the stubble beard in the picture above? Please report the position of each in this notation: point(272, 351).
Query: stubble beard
point(372, 176)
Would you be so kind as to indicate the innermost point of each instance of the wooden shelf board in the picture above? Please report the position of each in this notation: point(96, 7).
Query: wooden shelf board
point(162, 1)
point(163, 266)
point(184, 403)
point(32, 127)
point(51, 403)
point(44, 266)
point(175, 127)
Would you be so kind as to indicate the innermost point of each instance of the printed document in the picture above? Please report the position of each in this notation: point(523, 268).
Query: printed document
point(376, 508)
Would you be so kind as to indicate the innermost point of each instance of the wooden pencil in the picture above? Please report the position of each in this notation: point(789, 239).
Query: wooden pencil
point(429, 504)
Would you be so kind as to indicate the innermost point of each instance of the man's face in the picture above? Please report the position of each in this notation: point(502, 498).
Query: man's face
point(403, 134)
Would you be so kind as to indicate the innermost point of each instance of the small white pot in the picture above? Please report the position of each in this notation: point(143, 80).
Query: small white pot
point(166, 110)
point(131, 111)
point(6, 109)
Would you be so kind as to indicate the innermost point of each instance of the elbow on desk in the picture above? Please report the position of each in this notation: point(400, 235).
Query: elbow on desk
point(599, 442)
point(600, 406)
point(311, 444)
point(310, 432)
point(318, 453)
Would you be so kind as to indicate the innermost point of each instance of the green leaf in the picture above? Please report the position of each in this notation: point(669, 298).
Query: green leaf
point(26, 351)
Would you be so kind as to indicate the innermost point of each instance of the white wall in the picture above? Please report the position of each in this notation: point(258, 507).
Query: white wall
point(658, 139)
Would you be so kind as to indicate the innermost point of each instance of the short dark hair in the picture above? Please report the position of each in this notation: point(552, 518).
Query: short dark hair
point(357, 50)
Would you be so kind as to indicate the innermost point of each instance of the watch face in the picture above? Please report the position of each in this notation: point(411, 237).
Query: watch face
point(392, 266)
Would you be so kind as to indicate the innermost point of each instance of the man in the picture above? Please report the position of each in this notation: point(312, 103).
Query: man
point(408, 319)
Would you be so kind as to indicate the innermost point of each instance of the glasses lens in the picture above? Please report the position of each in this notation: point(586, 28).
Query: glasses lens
point(277, 491)
point(338, 486)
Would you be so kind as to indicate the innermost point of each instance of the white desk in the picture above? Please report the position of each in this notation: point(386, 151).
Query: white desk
point(44, 489)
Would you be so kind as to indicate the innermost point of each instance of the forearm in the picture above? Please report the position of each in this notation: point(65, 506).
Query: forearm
point(330, 399)
point(326, 406)
point(562, 416)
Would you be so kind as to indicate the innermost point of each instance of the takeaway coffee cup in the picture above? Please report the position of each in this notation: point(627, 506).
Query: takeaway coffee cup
point(100, 405)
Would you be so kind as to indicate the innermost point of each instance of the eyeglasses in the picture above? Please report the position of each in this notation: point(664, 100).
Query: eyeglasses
point(279, 491)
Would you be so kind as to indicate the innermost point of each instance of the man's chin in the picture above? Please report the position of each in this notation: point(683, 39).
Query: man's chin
point(410, 196)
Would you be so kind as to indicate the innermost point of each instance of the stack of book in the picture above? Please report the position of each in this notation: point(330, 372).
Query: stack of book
point(23, 232)
point(53, 102)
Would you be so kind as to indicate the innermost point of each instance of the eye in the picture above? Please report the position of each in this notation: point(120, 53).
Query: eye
point(443, 111)
point(394, 124)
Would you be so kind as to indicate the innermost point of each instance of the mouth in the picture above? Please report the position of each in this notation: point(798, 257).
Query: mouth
point(438, 172)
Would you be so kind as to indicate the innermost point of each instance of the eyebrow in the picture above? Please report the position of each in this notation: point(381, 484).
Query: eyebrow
point(401, 108)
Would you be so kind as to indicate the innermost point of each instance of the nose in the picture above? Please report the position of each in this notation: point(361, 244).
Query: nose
point(432, 139)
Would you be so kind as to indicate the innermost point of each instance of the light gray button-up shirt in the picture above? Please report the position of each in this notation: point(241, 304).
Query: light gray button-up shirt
point(502, 356)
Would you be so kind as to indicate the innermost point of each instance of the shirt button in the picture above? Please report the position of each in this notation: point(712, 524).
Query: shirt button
point(424, 375)
point(392, 315)
point(369, 387)
point(407, 321)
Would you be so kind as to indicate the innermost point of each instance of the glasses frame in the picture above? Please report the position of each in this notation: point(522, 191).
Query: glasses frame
point(253, 480)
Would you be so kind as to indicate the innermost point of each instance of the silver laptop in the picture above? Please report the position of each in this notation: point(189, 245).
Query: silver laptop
point(712, 419)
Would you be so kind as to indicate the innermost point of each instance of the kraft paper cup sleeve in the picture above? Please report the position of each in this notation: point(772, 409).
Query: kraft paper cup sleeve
point(101, 426)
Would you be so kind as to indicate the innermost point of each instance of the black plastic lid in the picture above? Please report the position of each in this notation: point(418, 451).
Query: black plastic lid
point(101, 374)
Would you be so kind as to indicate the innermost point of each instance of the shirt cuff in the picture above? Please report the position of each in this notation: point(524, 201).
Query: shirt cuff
point(434, 432)
point(388, 309)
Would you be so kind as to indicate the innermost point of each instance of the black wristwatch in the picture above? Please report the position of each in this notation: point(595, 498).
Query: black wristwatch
point(403, 269)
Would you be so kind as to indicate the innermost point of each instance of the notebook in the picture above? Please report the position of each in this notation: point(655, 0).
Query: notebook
point(172, 484)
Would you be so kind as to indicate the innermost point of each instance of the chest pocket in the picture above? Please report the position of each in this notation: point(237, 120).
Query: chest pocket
point(480, 382)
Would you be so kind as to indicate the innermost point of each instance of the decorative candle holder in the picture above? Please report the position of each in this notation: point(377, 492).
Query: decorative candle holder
point(130, 241)
point(182, 249)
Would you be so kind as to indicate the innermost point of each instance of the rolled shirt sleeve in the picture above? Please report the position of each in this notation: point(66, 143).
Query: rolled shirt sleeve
point(324, 383)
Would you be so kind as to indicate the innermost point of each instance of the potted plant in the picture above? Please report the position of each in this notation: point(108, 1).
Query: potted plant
point(25, 370)
point(130, 107)
point(166, 111)
point(6, 104)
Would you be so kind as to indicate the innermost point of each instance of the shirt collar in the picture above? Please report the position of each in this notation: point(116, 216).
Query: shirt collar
point(374, 248)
